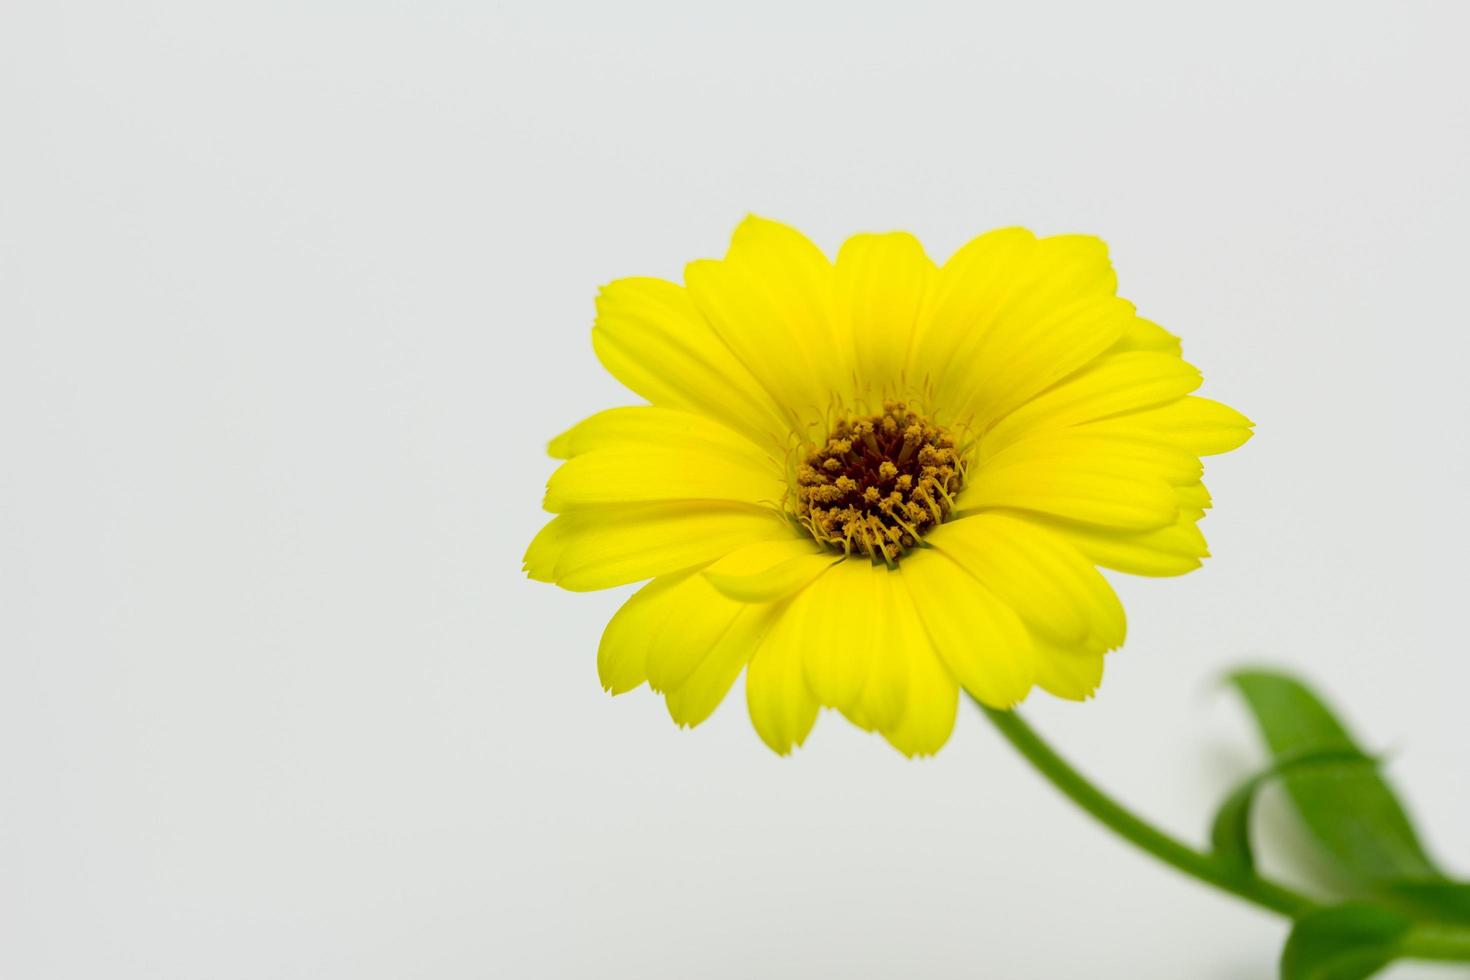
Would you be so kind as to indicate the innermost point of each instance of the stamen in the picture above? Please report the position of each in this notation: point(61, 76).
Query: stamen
point(879, 482)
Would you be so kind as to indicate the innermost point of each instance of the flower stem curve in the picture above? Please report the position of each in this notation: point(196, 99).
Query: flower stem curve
point(1425, 941)
point(1136, 830)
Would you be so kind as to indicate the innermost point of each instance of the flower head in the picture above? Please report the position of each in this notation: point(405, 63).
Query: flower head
point(869, 482)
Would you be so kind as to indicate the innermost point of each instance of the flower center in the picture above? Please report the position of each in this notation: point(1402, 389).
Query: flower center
point(879, 482)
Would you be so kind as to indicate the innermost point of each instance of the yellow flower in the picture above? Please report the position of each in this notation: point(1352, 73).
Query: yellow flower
point(868, 482)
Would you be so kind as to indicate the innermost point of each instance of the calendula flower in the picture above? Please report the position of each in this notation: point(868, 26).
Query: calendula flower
point(869, 482)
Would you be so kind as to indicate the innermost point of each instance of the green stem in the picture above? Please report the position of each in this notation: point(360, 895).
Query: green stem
point(1132, 828)
point(1437, 942)
point(1427, 941)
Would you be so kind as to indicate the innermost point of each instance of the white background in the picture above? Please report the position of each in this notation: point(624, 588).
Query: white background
point(292, 295)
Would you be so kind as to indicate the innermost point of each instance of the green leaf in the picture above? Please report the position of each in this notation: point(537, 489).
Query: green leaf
point(1230, 833)
point(1349, 810)
point(1345, 942)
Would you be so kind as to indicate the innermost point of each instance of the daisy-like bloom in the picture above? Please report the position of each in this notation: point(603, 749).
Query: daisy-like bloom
point(869, 482)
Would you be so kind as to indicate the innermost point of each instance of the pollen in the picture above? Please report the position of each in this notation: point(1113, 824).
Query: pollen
point(879, 482)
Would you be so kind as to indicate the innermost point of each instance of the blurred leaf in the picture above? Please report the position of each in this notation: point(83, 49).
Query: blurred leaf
point(1349, 810)
point(1432, 898)
point(1230, 836)
point(1346, 942)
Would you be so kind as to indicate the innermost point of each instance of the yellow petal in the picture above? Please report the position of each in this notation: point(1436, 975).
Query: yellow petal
point(544, 551)
point(1067, 672)
point(1113, 385)
point(881, 285)
point(1051, 587)
point(770, 300)
point(699, 620)
point(622, 656)
point(652, 427)
point(1146, 335)
point(1193, 424)
point(838, 616)
point(645, 453)
point(652, 338)
point(1193, 497)
point(933, 697)
point(1016, 365)
point(967, 289)
point(1172, 550)
point(683, 639)
point(706, 686)
point(898, 637)
point(979, 637)
point(599, 547)
point(1083, 488)
point(781, 706)
point(635, 474)
point(1084, 475)
point(769, 570)
point(1049, 316)
point(1101, 446)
